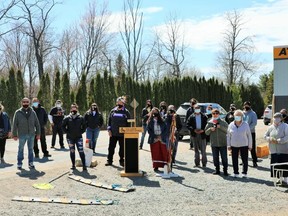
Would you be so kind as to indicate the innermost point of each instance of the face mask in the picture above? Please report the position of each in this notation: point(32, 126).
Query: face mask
point(25, 106)
point(58, 105)
point(215, 118)
point(197, 110)
point(208, 111)
point(277, 120)
point(35, 104)
point(238, 118)
point(284, 115)
point(74, 112)
point(120, 105)
point(247, 108)
point(156, 114)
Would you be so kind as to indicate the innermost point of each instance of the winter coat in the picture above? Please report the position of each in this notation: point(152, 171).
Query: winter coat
point(93, 121)
point(217, 137)
point(118, 118)
point(74, 127)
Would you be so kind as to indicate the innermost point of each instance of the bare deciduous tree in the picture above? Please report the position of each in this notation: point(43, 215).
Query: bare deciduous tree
point(5, 17)
point(132, 38)
point(170, 46)
point(235, 60)
point(37, 19)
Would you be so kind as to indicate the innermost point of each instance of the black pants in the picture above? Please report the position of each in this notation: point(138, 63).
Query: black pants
point(2, 147)
point(244, 156)
point(253, 150)
point(279, 158)
point(57, 128)
point(111, 149)
point(43, 143)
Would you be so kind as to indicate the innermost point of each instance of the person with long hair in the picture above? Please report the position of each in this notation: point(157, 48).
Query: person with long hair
point(157, 130)
point(145, 115)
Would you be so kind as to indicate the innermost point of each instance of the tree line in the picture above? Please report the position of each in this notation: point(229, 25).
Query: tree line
point(104, 89)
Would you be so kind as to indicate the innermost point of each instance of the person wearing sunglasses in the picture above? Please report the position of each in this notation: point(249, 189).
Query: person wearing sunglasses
point(25, 123)
point(216, 128)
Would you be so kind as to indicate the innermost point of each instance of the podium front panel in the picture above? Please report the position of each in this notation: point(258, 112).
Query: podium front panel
point(131, 153)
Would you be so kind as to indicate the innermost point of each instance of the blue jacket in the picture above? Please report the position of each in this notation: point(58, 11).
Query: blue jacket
point(7, 126)
point(251, 118)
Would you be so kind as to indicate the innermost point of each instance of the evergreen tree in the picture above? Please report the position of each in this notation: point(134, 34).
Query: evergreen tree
point(3, 90)
point(65, 95)
point(81, 95)
point(12, 102)
point(57, 86)
point(44, 93)
point(20, 86)
point(91, 92)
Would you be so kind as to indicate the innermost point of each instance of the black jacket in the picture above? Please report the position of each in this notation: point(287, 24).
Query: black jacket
point(93, 121)
point(191, 124)
point(57, 115)
point(189, 112)
point(144, 116)
point(117, 119)
point(41, 115)
point(74, 127)
point(168, 121)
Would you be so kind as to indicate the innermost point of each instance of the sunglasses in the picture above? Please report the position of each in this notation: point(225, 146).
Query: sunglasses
point(215, 113)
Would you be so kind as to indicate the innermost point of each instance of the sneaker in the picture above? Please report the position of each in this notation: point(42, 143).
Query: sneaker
point(31, 166)
point(73, 168)
point(244, 175)
point(236, 176)
point(108, 163)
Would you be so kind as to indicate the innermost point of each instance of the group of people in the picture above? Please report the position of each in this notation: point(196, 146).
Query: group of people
point(29, 126)
point(235, 133)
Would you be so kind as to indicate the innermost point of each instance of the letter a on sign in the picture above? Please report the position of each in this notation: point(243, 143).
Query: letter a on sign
point(280, 52)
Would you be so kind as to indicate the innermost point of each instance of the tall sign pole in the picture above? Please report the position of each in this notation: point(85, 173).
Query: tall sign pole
point(280, 54)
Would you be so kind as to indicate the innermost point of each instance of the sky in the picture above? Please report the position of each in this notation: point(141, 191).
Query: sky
point(203, 25)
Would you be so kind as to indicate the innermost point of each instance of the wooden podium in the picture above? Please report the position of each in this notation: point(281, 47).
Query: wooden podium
point(131, 151)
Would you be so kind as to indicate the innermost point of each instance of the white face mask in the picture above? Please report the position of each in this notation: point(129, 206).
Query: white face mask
point(277, 120)
point(238, 118)
point(197, 110)
point(58, 105)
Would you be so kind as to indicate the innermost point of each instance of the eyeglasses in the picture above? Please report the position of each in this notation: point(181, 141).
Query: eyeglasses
point(215, 113)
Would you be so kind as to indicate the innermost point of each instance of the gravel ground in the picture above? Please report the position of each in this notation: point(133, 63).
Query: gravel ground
point(198, 192)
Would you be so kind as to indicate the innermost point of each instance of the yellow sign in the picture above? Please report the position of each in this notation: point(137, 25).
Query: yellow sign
point(130, 129)
point(281, 52)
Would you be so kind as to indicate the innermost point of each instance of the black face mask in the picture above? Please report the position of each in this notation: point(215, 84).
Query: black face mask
point(25, 106)
point(247, 108)
point(283, 115)
point(120, 106)
point(74, 112)
point(156, 114)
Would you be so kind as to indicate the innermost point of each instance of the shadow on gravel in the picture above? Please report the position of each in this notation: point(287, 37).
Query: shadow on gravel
point(60, 149)
point(144, 181)
point(249, 180)
point(84, 174)
point(43, 160)
point(31, 174)
point(100, 154)
point(5, 165)
point(183, 168)
point(262, 168)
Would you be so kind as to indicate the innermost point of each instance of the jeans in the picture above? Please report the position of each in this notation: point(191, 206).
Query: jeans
point(79, 143)
point(223, 153)
point(143, 135)
point(30, 144)
point(92, 135)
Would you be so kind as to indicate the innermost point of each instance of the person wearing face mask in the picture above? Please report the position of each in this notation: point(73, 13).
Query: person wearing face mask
point(25, 127)
point(145, 115)
point(196, 123)
point(56, 117)
point(42, 118)
point(277, 136)
point(284, 115)
point(230, 115)
point(74, 126)
point(209, 111)
point(163, 108)
point(216, 128)
point(5, 132)
point(189, 112)
point(94, 121)
point(239, 139)
point(118, 117)
point(251, 118)
point(157, 130)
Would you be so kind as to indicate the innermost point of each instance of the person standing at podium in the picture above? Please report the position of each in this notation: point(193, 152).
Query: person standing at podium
point(117, 118)
point(157, 130)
